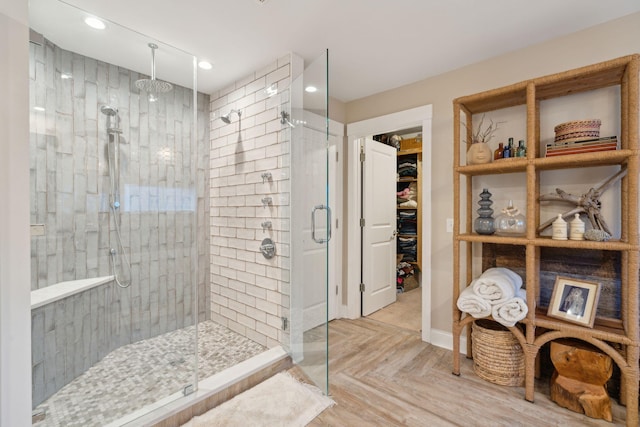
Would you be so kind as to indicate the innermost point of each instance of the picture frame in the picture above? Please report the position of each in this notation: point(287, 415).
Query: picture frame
point(574, 301)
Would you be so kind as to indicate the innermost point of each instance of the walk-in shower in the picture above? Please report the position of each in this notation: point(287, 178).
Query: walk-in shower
point(113, 174)
point(122, 259)
point(120, 264)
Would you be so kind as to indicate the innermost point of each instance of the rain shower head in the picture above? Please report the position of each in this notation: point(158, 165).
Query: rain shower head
point(153, 86)
point(227, 117)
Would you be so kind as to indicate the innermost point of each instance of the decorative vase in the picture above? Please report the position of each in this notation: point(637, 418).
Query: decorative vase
point(484, 223)
point(479, 153)
point(511, 222)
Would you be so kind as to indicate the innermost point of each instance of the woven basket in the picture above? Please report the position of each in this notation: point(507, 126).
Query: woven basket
point(497, 354)
point(577, 130)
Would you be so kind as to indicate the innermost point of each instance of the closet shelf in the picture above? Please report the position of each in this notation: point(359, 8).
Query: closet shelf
point(412, 155)
point(410, 151)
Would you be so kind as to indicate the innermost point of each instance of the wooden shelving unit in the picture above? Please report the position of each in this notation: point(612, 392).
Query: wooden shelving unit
point(620, 339)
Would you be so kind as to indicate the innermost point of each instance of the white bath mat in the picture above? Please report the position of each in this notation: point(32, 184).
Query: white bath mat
point(278, 401)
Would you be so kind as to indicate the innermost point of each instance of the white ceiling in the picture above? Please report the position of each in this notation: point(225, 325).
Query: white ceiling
point(374, 45)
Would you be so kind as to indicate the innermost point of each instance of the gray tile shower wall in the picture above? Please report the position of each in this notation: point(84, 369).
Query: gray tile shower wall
point(249, 293)
point(163, 200)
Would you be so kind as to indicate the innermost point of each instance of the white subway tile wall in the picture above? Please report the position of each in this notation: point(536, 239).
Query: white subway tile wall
point(246, 288)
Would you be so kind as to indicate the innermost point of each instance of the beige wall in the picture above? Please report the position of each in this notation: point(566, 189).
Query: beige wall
point(610, 40)
point(337, 110)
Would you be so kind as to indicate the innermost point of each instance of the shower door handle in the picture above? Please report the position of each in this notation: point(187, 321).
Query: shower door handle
point(313, 223)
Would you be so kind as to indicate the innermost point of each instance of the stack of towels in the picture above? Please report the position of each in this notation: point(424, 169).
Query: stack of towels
point(497, 292)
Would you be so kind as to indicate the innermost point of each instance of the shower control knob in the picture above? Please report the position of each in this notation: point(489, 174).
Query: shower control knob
point(268, 248)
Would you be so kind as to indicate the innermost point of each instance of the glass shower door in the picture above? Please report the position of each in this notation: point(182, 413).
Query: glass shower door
point(310, 221)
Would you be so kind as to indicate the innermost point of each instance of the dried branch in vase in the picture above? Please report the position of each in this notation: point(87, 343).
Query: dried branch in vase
point(485, 135)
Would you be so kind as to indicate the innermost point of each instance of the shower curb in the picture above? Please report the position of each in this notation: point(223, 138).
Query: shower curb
point(212, 391)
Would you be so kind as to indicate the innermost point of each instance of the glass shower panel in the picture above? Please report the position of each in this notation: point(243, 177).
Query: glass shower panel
point(310, 221)
point(117, 186)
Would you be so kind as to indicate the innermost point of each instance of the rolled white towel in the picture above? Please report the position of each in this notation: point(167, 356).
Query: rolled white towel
point(472, 304)
point(497, 285)
point(511, 311)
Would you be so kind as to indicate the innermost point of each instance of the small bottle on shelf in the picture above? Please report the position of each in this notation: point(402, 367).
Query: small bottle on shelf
point(521, 151)
point(508, 150)
point(498, 153)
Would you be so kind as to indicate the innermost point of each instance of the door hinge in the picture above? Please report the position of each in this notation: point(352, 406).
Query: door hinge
point(361, 287)
point(336, 223)
point(337, 156)
point(336, 289)
point(285, 323)
point(361, 222)
point(362, 156)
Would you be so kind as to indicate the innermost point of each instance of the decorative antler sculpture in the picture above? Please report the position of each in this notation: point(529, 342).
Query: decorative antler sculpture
point(589, 203)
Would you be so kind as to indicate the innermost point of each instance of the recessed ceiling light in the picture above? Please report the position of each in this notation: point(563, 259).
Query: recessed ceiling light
point(65, 76)
point(205, 65)
point(38, 108)
point(94, 22)
point(311, 89)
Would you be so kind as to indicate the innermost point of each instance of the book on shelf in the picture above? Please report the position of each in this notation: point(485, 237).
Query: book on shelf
point(582, 147)
point(591, 141)
point(587, 146)
point(595, 150)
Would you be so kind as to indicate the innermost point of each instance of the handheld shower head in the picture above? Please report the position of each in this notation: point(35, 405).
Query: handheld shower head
point(227, 117)
point(113, 121)
point(109, 110)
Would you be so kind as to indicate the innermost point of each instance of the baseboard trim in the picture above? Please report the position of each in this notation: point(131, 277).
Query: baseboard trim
point(444, 339)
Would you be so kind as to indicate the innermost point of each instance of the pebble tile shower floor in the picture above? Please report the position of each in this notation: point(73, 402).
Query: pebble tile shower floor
point(141, 373)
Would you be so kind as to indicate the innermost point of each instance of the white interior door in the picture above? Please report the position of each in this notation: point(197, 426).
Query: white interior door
point(379, 231)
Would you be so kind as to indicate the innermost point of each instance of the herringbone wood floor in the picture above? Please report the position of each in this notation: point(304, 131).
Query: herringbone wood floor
point(381, 375)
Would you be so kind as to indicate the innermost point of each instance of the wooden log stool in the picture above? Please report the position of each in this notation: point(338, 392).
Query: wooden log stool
point(578, 382)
